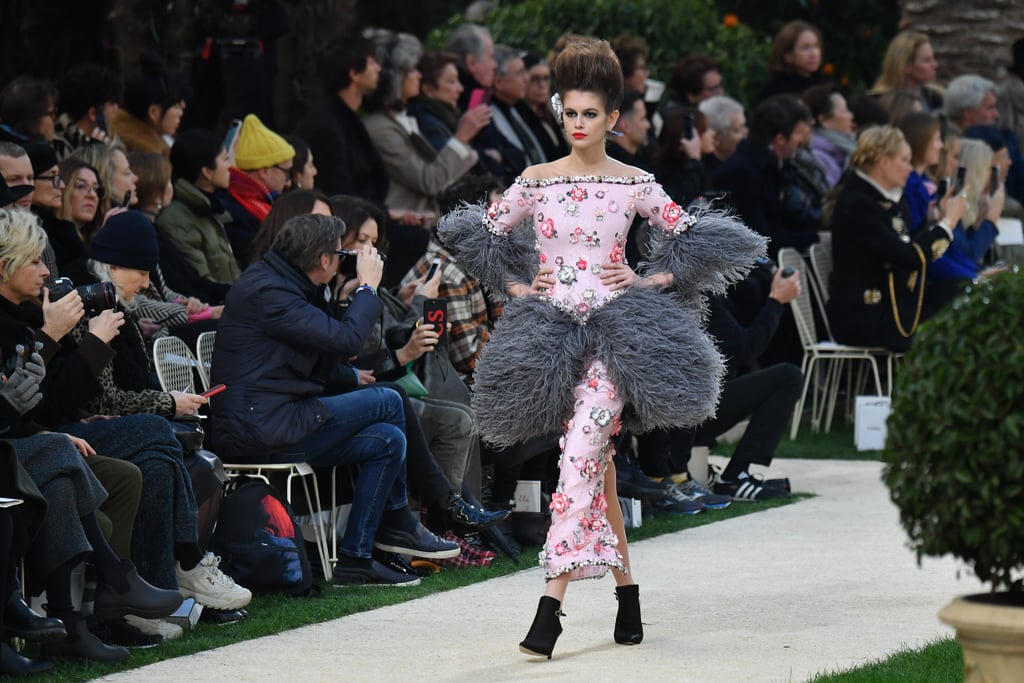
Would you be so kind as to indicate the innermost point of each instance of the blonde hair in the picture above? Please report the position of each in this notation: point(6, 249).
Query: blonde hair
point(898, 56)
point(976, 156)
point(101, 158)
point(875, 143)
point(22, 240)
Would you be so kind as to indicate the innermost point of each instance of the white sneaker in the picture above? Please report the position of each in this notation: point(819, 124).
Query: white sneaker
point(210, 586)
point(155, 627)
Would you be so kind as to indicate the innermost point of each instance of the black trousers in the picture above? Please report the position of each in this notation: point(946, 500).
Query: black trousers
point(765, 397)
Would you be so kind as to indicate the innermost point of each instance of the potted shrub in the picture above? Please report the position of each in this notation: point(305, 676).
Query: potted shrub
point(955, 463)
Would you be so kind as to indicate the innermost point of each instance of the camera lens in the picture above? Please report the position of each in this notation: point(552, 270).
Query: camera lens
point(97, 297)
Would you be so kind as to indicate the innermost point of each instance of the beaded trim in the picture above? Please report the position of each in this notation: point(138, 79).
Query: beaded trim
point(565, 179)
point(574, 313)
point(579, 564)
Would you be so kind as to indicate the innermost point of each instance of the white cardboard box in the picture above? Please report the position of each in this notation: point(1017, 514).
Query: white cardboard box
point(527, 497)
point(632, 512)
point(869, 424)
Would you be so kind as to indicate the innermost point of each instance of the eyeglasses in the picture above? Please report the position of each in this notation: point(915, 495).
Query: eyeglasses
point(54, 179)
point(84, 188)
point(286, 171)
point(540, 79)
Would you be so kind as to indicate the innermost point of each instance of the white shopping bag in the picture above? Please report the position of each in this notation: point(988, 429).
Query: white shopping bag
point(632, 512)
point(869, 424)
point(527, 496)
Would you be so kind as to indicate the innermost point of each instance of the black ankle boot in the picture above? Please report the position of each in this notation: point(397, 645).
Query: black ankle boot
point(21, 620)
point(546, 628)
point(628, 628)
point(12, 664)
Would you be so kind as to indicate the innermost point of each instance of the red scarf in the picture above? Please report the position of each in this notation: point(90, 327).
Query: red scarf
point(254, 196)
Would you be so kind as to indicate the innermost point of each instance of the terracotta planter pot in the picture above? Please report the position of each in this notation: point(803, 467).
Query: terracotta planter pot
point(990, 628)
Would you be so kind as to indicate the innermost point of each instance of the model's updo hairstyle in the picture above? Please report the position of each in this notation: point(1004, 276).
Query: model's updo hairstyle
point(589, 65)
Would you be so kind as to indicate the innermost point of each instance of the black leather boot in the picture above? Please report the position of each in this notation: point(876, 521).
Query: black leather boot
point(22, 621)
point(628, 628)
point(465, 514)
point(544, 631)
point(82, 644)
point(135, 596)
point(13, 664)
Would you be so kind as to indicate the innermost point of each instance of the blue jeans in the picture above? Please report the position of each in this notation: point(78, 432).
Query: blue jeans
point(366, 428)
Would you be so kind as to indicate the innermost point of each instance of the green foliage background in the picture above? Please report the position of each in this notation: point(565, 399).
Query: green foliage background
point(954, 456)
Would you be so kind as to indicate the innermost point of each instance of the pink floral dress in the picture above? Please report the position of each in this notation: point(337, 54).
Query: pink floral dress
point(581, 223)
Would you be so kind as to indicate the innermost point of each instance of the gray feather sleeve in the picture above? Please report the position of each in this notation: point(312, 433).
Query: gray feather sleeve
point(495, 258)
point(714, 252)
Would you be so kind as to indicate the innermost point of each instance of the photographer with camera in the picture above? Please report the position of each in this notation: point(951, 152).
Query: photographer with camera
point(276, 347)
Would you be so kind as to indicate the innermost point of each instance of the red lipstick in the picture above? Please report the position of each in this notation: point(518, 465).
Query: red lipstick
point(579, 136)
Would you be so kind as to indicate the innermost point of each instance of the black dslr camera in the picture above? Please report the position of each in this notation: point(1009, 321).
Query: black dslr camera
point(96, 297)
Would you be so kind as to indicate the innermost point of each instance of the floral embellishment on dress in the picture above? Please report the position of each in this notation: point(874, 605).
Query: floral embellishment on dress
point(599, 194)
point(547, 228)
point(562, 548)
point(589, 295)
point(600, 502)
point(577, 193)
point(598, 214)
point(601, 416)
point(497, 209)
point(566, 274)
point(560, 502)
point(587, 467)
point(613, 206)
point(677, 218)
point(543, 257)
point(617, 253)
point(583, 308)
point(581, 264)
point(572, 209)
point(591, 240)
point(596, 269)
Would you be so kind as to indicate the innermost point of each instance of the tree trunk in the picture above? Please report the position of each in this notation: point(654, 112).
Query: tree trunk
point(968, 37)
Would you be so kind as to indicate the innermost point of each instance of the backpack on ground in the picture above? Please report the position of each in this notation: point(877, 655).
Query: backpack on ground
point(259, 542)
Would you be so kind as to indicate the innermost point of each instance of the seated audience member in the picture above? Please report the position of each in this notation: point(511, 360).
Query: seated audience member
point(726, 118)
point(867, 112)
point(971, 101)
point(46, 199)
point(974, 234)
point(16, 169)
point(795, 61)
point(78, 217)
point(161, 309)
point(1010, 100)
point(436, 107)
point(676, 163)
point(924, 135)
point(473, 47)
point(509, 130)
point(291, 204)
point(909, 64)
point(630, 146)
point(546, 126)
point(633, 52)
point(875, 257)
point(832, 138)
point(471, 312)
point(28, 111)
point(89, 98)
point(765, 396)
point(900, 103)
point(695, 79)
point(153, 105)
point(10, 196)
point(1005, 155)
point(416, 172)
point(753, 176)
point(436, 430)
point(262, 171)
point(275, 348)
point(194, 222)
point(166, 546)
point(348, 161)
point(304, 171)
point(19, 525)
point(115, 176)
point(66, 387)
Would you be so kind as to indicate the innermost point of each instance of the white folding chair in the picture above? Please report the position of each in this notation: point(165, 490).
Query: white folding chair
point(822, 360)
point(175, 365)
point(204, 354)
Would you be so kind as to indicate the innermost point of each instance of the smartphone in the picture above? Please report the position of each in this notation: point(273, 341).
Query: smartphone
point(961, 177)
point(435, 312)
point(787, 272)
point(347, 261)
point(434, 265)
point(688, 126)
point(213, 391)
point(231, 139)
point(479, 96)
point(127, 199)
point(993, 183)
point(943, 187)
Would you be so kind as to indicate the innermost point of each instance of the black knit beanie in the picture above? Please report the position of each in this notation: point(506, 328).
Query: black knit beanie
point(127, 240)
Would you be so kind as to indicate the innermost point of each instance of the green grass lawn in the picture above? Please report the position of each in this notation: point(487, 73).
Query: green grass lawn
point(939, 662)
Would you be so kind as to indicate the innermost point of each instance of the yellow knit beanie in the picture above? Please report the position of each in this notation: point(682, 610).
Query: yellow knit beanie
point(260, 147)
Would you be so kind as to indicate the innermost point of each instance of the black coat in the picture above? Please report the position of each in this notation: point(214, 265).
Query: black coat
point(346, 159)
point(870, 243)
point(755, 182)
point(276, 346)
point(72, 370)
